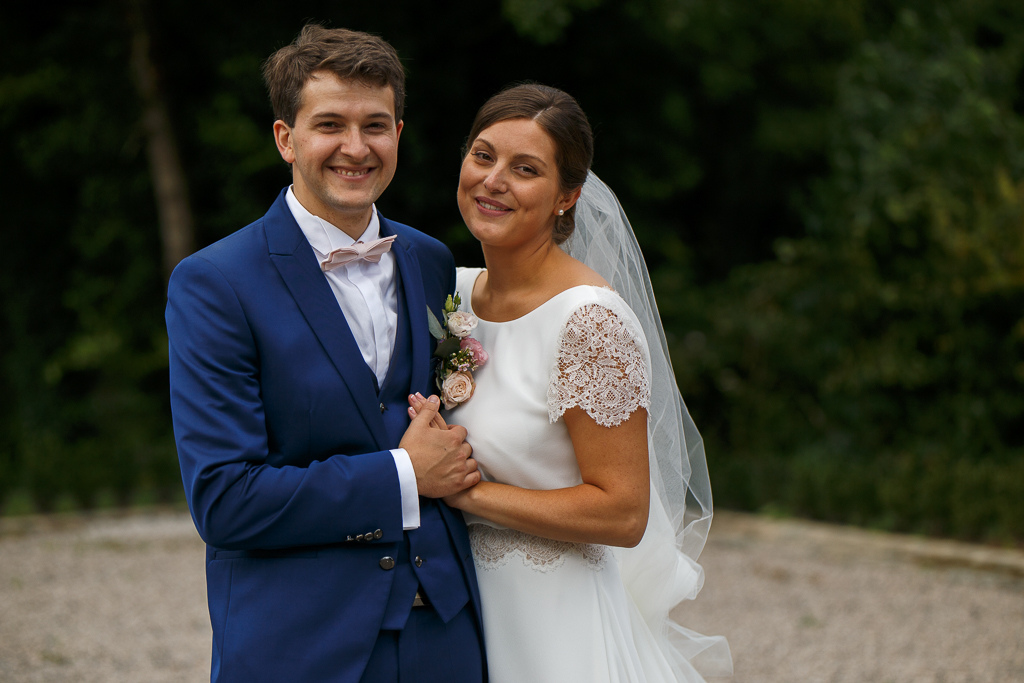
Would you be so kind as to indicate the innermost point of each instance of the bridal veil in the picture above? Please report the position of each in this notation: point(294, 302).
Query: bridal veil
point(662, 571)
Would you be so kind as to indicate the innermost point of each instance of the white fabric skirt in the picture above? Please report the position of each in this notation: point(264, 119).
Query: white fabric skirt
point(559, 612)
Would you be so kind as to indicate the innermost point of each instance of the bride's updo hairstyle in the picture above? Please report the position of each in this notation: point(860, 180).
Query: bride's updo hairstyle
point(560, 116)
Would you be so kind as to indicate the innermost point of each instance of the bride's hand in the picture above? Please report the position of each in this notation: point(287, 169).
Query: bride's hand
point(416, 401)
point(459, 500)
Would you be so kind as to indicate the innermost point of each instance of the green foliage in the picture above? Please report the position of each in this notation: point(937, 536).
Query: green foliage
point(829, 195)
point(747, 89)
point(84, 354)
point(543, 20)
point(873, 366)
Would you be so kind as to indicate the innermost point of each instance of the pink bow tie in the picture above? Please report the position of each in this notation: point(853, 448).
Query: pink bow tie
point(370, 251)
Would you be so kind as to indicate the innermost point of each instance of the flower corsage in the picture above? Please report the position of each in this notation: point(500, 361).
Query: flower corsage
point(459, 353)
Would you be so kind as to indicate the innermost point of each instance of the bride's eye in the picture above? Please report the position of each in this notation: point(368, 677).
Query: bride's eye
point(482, 156)
point(529, 170)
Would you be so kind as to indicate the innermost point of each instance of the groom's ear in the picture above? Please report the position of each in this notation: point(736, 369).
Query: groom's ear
point(398, 130)
point(283, 139)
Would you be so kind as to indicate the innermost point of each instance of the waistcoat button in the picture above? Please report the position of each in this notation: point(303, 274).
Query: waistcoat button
point(382, 407)
point(418, 561)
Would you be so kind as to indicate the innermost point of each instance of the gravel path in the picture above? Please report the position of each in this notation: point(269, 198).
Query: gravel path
point(122, 599)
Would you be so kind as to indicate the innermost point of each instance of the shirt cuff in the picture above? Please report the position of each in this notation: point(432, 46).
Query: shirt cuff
point(410, 494)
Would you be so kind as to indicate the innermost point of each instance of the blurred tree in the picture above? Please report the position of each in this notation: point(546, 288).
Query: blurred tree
point(176, 224)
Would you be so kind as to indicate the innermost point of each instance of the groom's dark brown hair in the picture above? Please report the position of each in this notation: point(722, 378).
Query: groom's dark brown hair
point(347, 54)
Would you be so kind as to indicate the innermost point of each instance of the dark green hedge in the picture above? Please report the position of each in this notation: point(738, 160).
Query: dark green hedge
point(873, 372)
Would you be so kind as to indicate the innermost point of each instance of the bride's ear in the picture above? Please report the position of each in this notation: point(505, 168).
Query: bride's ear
point(568, 201)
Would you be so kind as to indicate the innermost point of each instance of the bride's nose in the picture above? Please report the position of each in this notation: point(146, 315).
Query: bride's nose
point(495, 181)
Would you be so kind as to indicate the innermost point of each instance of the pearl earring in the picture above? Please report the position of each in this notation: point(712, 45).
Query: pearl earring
point(561, 211)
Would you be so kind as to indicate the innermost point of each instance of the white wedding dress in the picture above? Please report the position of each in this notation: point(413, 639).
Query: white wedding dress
point(556, 611)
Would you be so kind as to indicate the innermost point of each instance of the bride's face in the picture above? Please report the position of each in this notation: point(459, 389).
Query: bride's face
point(508, 189)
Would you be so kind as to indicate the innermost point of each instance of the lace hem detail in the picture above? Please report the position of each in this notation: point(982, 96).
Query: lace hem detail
point(492, 548)
point(601, 368)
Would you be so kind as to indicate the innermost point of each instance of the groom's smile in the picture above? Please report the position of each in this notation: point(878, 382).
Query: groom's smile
point(343, 148)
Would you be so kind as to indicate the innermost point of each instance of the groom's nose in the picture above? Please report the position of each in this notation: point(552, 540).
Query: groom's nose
point(352, 143)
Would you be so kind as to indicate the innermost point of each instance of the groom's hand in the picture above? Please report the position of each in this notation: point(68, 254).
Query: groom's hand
point(441, 458)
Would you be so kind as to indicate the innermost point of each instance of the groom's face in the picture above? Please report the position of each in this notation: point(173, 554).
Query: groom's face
point(343, 148)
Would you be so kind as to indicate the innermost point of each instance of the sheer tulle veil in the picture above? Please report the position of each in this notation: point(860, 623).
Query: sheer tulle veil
point(662, 571)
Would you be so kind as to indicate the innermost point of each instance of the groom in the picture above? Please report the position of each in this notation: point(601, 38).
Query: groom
point(294, 344)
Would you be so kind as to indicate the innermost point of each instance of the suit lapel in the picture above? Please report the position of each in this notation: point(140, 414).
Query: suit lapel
point(411, 280)
point(295, 261)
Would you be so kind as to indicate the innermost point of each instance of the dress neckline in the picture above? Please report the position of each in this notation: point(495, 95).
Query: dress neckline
point(469, 301)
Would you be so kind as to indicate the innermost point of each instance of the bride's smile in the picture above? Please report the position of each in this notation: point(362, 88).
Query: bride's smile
point(491, 207)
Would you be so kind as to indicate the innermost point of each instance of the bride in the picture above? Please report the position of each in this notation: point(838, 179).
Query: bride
point(594, 502)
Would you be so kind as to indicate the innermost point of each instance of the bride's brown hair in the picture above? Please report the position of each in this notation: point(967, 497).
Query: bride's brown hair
point(561, 117)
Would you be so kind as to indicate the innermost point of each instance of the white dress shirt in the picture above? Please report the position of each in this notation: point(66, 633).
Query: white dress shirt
point(367, 295)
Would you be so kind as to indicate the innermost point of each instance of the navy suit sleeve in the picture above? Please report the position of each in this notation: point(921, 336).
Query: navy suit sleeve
point(237, 500)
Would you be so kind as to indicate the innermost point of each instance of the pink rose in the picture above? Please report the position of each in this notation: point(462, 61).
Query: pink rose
point(476, 348)
point(457, 388)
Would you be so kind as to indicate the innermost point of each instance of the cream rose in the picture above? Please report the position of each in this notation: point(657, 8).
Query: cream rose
point(461, 323)
point(457, 388)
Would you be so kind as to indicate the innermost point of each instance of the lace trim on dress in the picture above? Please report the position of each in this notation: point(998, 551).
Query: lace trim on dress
point(493, 547)
point(601, 368)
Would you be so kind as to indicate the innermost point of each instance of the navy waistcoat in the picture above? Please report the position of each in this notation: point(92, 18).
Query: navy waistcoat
point(427, 559)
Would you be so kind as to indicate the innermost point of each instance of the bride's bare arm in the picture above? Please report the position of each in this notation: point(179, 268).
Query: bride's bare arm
point(610, 506)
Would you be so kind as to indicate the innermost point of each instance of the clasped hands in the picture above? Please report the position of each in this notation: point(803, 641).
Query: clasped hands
point(439, 453)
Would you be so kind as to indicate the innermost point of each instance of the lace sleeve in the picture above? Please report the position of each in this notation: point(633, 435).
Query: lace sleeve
point(601, 368)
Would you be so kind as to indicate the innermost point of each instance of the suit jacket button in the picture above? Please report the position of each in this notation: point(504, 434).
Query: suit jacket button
point(350, 538)
point(387, 563)
point(382, 407)
point(378, 534)
point(368, 536)
point(418, 561)
point(360, 537)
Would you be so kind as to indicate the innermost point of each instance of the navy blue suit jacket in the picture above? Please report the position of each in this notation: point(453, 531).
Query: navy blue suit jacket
point(283, 450)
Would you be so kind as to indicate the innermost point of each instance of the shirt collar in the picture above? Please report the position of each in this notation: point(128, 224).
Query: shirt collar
point(323, 236)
